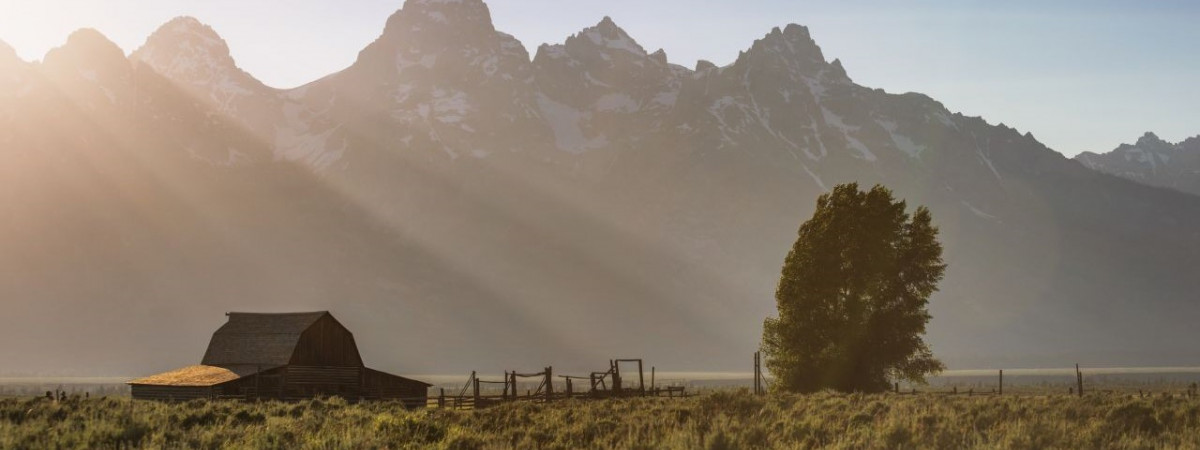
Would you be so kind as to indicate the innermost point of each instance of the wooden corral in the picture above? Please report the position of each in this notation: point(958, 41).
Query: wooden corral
point(290, 356)
point(596, 385)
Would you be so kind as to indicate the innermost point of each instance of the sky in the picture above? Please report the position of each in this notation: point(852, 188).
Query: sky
point(1079, 75)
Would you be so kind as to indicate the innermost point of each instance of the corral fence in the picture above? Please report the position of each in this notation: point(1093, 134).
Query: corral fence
point(541, 387)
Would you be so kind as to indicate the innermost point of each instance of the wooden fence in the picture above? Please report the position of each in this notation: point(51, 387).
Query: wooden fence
point(480, 393)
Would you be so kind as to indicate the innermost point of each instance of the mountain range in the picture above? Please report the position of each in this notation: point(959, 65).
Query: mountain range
point(1152, 161)
point(461, 204)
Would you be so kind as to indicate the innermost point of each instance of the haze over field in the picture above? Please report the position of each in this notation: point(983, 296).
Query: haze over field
point(462, 203)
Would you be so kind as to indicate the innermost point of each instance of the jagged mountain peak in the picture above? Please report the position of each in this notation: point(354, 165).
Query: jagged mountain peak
point(793, 44)
point(429, 33)
point(90, 42)
point(602, 45)
point(186, 31)
point(1150, 139)
point(89, 52)
point(838, 69)
point(189, 25)
point(1151, 160)
point(186, 48)
point(607, 34)
point(193, 55)
point(659, 55)
point(450, 17)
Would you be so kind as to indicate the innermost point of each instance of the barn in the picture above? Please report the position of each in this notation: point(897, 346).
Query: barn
point(288, 356)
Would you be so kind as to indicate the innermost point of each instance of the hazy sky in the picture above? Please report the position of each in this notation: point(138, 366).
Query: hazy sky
point(1079, 75)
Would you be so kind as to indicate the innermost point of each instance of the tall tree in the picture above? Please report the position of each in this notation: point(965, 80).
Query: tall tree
point(853, 295)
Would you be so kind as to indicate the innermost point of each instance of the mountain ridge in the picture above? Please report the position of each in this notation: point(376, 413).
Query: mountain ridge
point(1152, 161)
point(448, 191)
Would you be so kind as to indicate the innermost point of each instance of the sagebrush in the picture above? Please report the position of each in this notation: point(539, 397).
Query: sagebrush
point(716, 420)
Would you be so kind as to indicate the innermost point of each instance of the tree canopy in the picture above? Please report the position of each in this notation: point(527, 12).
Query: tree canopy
point(853, 296)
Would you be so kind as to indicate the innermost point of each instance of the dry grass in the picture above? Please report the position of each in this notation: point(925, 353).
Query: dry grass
point(715, 421)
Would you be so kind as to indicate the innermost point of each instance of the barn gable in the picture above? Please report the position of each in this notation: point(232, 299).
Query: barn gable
point(268, 340)
point(326, 343)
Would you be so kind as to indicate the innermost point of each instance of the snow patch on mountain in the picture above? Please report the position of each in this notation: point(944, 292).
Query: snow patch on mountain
point(902, 142)
point(620, 103)
point(863, 151)
point(565, 121)
point(450, 106)
point(836, 121)
point(717, 110)
point(621, 42)
point(667, 98)
point(437, 16)
point(296, 141)
point(982, 152)
point(815, 88)
point(405, 62)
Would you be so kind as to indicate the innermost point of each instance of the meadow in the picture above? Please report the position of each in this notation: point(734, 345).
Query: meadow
point(715, 420)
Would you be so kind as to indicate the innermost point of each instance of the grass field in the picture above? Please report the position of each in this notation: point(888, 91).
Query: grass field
point(725, 419)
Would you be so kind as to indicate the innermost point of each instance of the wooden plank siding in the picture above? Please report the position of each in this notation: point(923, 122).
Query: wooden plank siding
point(385, 386)
point(326, 343)
point(170, 393)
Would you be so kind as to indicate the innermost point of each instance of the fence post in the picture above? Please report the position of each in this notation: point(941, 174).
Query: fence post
point(641, 379)
point(505, 395)
point(441, 397)
point(616, 375)
point(549, 383)
point(476, 396)
point(652, 387)
point(755, 373)
point(1001, 381)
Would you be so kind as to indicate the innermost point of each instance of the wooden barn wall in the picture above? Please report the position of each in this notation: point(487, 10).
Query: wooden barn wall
point(326, 343)
point(265, 385)
point(384, 386)
point(312, 381)
point(170, 393)
point(297, 383)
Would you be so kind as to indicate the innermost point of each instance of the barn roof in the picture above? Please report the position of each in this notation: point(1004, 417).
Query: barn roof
point(397, 377)
point(198, 376)
point(264, 339)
